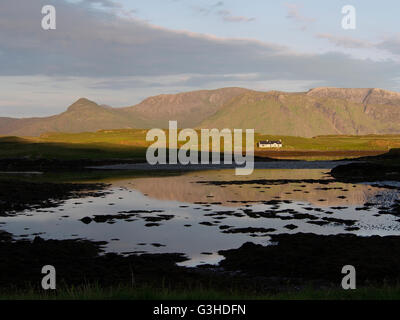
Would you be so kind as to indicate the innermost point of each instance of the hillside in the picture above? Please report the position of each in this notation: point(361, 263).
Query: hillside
point(188, 108)
point(320, 111)
point(83, 115)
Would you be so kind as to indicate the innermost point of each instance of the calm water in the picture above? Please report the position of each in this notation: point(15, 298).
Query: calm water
point(194, 213)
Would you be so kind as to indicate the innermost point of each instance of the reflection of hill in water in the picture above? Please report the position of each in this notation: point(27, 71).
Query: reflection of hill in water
point(185, 188)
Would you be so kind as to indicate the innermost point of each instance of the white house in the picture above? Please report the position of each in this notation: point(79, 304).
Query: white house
point(270, 144)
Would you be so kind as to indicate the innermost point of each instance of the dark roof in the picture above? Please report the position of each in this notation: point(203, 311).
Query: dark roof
point(270, 142)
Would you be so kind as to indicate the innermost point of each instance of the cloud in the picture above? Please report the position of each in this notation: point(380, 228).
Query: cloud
point(101, 52)
point(229, 17)
point(391, 44)
point(99, 44)
point(225, 14)
point(110, 5)
point(345, 42)
point(206, 10)
point(293, 13)
point(104, 3)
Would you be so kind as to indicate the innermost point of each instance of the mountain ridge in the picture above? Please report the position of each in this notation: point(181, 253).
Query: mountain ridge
point(318, 111)
point(371, 95)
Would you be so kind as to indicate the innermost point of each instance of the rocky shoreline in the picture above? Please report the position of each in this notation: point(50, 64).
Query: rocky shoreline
point(366, 172)
point(296, 262)
point(385, 167)
point(317, 257)
point(16, 195)
point(81, 262)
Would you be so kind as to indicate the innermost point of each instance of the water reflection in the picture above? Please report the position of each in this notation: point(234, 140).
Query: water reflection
point(199, 213)
point(186, 188)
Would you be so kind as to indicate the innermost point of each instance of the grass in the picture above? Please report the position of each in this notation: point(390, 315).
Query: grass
point(94, 292)
point(13, 147)
point(337, 143)
point(131, 144)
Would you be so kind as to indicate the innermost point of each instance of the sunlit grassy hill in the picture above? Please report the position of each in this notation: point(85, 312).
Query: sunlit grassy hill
point(132, 144)
point(311, 114)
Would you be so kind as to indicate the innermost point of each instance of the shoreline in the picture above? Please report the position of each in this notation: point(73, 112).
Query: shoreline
point(250, 268)
point(278, 164)
point(288, 266)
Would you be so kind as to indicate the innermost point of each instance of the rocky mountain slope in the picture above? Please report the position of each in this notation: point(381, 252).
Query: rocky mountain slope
point(319, 111)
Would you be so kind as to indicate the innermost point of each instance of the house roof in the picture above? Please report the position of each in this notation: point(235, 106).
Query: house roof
point(270, 142)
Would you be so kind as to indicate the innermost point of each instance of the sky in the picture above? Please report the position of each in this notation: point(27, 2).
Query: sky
point(118, 52)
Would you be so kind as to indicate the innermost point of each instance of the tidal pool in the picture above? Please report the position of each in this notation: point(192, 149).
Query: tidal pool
point(199, 213)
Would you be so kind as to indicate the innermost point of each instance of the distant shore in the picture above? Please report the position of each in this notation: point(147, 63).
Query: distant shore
point(277, 164)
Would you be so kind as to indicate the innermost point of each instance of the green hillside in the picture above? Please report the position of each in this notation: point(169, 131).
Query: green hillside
point(300, 114)
point(320, 111)
point(189, 109)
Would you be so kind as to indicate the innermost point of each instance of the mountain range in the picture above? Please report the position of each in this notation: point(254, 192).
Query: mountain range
point(319, 111)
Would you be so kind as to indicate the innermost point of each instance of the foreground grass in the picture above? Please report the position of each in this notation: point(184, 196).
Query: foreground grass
point(147, 293)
